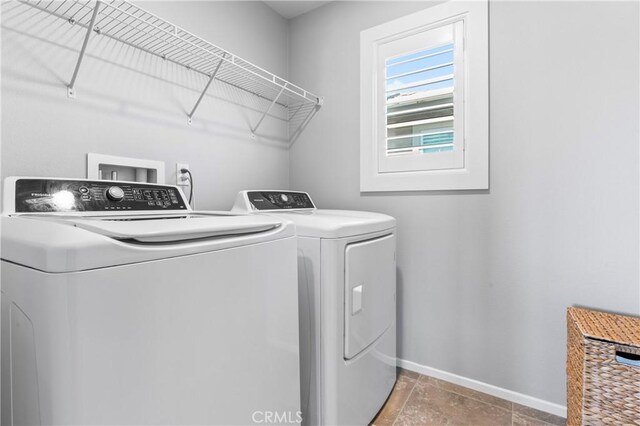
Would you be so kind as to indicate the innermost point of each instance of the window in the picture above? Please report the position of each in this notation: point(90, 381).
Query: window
point(424, 100)
point(419, 102)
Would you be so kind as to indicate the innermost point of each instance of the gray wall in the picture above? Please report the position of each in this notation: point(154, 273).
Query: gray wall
point(484, 277)
point(133, 104)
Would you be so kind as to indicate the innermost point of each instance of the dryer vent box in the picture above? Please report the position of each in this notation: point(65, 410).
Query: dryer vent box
point(111, 167)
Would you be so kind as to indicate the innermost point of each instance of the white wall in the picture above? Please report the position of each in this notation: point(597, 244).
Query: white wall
point(133, 104)
point(484, 277)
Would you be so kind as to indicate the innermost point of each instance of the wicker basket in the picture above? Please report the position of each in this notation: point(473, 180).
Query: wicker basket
point(603, 384)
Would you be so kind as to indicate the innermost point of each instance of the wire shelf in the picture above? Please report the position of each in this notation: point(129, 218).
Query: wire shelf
point(134, 26)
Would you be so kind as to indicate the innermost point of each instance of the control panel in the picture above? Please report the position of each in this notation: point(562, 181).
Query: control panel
point(279, 200)
point(60, 195)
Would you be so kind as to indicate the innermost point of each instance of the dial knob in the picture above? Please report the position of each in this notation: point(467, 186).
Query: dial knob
point(284, 198)
point(115, 193)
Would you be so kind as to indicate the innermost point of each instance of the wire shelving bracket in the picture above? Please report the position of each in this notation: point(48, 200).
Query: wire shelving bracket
point(135, 27)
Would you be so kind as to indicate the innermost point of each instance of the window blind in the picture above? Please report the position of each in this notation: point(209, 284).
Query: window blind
point(419, 101)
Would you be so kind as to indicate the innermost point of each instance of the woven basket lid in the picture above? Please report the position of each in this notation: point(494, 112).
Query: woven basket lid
point(620, 329)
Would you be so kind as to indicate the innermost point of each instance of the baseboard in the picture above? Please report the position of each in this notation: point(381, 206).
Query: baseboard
point(519, 398)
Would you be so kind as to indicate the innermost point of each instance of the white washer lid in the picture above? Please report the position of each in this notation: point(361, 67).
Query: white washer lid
point(337, 223)
point(173, 227)
point(76, 244)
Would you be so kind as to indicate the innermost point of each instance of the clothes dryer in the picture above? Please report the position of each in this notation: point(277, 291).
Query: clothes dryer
point(347, 303)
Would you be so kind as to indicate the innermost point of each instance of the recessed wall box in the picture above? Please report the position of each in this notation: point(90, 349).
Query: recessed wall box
point(127, 169)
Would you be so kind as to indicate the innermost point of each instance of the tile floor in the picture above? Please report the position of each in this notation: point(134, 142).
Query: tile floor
point(423, 400)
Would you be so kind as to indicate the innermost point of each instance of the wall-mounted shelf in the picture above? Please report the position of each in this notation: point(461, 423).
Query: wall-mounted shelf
point(134, 26)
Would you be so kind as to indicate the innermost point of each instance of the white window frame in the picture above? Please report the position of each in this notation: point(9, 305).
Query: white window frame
point(471, 120)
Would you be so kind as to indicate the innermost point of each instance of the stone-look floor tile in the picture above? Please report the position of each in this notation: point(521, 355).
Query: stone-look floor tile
point(469, 393)
point(522, 420)
point(432, 405)
point(401, 391)
point(534, 414)
point(407, 373)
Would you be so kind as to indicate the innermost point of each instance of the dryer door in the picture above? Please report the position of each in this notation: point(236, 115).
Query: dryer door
point(370, 286)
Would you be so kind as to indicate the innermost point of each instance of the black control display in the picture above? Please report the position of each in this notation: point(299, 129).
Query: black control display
point(51, 195)
point(267, 200)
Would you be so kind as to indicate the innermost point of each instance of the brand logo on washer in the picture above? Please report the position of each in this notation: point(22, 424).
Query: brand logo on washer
point(40, 194)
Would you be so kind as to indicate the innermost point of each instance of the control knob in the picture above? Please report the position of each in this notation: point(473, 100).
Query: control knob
point(284, 198)
point(115, 193)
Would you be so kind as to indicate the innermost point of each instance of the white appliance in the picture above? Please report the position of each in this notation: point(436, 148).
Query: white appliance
point(347, 289)
point(121, 305)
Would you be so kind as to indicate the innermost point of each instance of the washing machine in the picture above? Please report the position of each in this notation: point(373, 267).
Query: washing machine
point(121, 305)
point(347, 292)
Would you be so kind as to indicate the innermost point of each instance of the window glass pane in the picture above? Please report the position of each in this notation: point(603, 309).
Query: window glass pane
point(431, 61)
point(394, 61)
point(419, 101)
